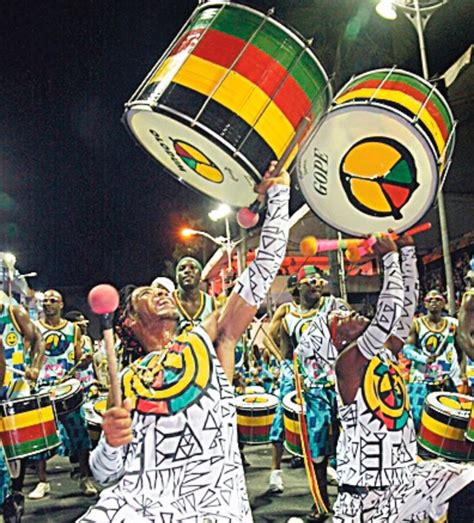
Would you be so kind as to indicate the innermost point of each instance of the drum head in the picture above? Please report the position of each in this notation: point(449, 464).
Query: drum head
point(290, 403)
point(191, 157)
point(452, 404)
point(67, 388)
point(93, 410)
point(256, 401)
point(367, 169)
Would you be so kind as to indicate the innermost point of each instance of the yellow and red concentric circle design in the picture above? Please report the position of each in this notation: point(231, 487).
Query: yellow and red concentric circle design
point(385, 394)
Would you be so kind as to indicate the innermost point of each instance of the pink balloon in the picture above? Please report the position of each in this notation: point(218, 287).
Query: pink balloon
point(246, 218)
point(103, 299)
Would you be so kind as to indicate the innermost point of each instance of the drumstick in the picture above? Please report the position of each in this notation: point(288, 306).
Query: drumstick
point(104, 300)
point(15, 371)
point(247, 217)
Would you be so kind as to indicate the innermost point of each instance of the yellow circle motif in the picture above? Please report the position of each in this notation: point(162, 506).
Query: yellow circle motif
point(11, 339)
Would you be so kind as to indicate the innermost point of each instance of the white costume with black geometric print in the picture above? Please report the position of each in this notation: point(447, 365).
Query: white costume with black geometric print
point(183, 464)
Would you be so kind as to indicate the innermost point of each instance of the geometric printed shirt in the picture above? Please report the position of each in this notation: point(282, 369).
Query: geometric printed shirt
point(184, 462)
point(377, 446)
point(59, 343)
point(12, 340)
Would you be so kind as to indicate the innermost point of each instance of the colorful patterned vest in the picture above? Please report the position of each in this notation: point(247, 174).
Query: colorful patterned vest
point(377, 446)
point(12, 340)
point(185, 448)
point(185, 322)
point(59, 349)
point(440, 342)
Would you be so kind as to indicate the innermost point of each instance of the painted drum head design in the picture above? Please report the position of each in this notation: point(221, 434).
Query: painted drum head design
point(192, 158)
point(367, 169)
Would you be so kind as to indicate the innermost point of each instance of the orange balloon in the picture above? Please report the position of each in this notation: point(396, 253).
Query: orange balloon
point(352, 253)
point(308, 246)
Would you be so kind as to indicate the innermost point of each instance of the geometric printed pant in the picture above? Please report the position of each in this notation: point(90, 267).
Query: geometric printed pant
point(427, 495)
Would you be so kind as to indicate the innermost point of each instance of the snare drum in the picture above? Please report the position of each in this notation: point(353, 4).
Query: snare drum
point(255, 414)
point(291, 422)
point(226, 99)
point(67, 396)
point(443, 426)
point(379, 154)
point(28, 426)
point(93, 410)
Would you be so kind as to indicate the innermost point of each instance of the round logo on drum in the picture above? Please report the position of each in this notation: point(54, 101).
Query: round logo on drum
point(11, 339)
point(197, 161)
point(385, 394)
point(378, 176)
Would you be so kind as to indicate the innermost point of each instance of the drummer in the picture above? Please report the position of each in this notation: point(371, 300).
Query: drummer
point(17, 332)
point(193, 305)
point(311, 286)
point(63, 350)
point(465, 337)
point(431, 348)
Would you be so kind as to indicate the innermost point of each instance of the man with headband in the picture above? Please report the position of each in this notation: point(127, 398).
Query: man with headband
point(172, 448)
point(379, 477)
point(310, 285)
point(431, 348)
point(193, 305)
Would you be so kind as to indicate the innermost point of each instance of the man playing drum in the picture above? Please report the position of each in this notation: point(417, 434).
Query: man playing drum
point(182, 461)
point(431, 348)
point(63, 350)
point(23, 350)
point(380, 480)
point(310, 286)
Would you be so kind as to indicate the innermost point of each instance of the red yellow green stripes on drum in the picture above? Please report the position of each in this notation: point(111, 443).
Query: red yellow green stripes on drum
point(459, 450)
point(406, 101)
point(254, 419)
point(25, 434)
point(441, 429)
point(271, 38)
point(443, 123)
point(31, 447)
point(26, 419)
point(261, 69)
point(407, 83)
point(240, 96)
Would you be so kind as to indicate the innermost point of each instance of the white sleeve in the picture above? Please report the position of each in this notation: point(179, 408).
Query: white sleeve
point(254, 283)
point(388, 311)
point(107, 463)
point(411, 292)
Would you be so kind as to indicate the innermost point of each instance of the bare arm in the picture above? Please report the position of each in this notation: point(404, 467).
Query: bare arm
point(274, 329)
point(465, 334)
point(32, 334)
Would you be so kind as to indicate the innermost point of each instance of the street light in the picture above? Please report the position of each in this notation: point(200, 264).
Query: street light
point(419, 12)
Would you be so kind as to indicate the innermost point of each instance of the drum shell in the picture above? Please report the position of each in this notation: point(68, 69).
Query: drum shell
point(28, 426)
point(240, 80)
point(93, 410)
point(67, 397)
point(442, 429)
point(470, 425)
point(255, 413)
point(291, 423)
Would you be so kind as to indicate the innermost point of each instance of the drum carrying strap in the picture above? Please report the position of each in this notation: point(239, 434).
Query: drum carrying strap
point(308, 465)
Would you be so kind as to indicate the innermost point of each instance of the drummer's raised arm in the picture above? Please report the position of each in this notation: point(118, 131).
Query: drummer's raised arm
point(254, 283)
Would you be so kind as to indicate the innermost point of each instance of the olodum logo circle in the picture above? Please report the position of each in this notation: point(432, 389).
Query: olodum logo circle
point(197, 161)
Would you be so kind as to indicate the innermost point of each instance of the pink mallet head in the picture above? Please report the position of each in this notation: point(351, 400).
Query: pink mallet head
point(103, 299)
point(246, 218)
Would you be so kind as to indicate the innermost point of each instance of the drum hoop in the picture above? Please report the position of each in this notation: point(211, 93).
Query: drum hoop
point(208, 134)
point(75, 385)
point(287, 405)
point(461, 414)
point(271, 401)
point(408, 73)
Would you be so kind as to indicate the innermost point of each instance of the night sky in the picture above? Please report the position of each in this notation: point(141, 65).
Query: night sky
point(80, 203)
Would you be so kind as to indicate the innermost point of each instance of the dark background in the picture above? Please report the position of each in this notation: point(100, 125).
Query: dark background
point(80, 203)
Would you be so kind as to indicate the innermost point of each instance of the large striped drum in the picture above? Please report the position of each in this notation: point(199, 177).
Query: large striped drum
point(379, 155)
point(255, 414)
point(291, 422)
point(93, 410)
point(226, 99)
point(443, 426)
point(28, 426)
